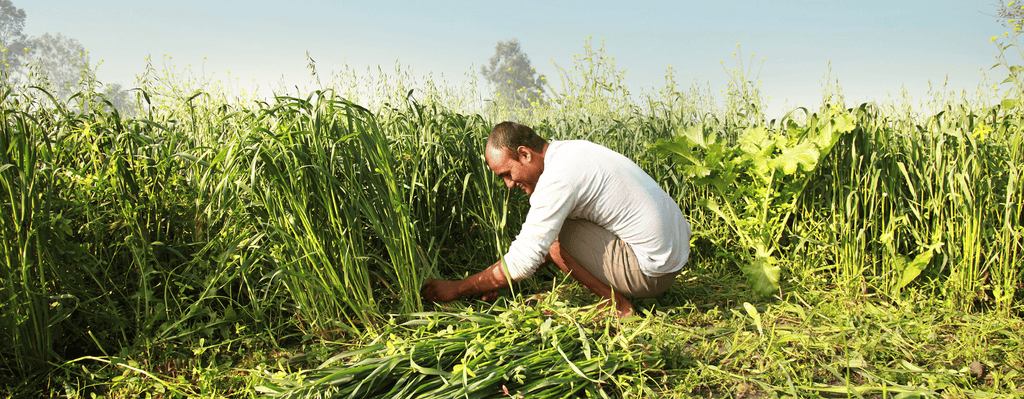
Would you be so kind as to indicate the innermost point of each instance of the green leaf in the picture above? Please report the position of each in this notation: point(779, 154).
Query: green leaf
point(696, 135)
point(682, 153)
point(830, 130)
point(712, 206)
point(427, 370)
point(754, 139)
point(914, 268)
point(763, 274)
point(1008, 103)
point(672, 148)
point(805, 154)
point(752, 311)
point(844, 123)
point(696, 170)
point(762, 166)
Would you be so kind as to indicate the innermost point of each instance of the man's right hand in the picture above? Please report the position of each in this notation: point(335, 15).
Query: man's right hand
point(441, 290)
point(491, 279)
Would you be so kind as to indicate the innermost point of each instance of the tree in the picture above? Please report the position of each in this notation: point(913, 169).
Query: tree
point(12, 21)
point(513, 77)
point(58, 62)
point(120, 99)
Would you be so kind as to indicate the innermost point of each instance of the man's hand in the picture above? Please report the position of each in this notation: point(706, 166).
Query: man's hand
point(487, 281)
point(441, 290)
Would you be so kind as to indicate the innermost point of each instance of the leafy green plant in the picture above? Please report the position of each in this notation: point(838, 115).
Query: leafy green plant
point(756, 181)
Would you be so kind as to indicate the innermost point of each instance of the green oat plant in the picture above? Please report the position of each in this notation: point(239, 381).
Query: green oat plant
point(923, 201)
point(318, 240)
point(125, 237)
point(363, 206)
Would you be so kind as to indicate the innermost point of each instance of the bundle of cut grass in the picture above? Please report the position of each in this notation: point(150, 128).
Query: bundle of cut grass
point(503, 352)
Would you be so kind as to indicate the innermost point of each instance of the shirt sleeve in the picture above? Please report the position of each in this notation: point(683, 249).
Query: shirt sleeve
point(550, 204)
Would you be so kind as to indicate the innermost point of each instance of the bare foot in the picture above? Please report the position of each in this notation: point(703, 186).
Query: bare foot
point(625, 309)
point(622, 308)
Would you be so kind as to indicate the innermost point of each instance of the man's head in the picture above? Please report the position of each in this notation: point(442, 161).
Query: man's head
point(516, 153)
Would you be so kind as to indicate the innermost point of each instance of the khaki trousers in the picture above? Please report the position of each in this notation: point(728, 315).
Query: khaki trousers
point(610, 259)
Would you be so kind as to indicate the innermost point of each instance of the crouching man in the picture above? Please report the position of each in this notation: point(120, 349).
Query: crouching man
point(593, 213)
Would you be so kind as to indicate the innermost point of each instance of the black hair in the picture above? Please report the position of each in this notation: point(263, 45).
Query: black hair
point(510, 135)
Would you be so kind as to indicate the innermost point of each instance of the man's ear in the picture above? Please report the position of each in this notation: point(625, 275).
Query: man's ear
point(524, 154)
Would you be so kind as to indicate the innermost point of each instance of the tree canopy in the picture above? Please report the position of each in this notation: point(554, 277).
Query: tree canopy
point(55, 61)
point(12, 21)
point(59, 60)
point(513, 77)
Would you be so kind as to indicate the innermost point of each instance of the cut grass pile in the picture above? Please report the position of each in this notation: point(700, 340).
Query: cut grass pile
point(701, 339)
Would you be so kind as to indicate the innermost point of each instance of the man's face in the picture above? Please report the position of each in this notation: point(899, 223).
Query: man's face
point(522, 170)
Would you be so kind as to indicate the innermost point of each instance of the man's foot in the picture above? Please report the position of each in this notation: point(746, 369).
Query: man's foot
point(622, 307)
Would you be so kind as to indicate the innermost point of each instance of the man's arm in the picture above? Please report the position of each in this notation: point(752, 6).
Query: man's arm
point(490, 279)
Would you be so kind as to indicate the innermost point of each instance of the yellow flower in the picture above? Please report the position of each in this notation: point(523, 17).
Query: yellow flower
point(981, 131)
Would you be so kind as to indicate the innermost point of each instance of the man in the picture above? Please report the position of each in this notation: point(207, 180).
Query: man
point(593, 213)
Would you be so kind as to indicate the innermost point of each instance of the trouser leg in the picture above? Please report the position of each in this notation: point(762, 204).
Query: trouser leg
point(609, 259)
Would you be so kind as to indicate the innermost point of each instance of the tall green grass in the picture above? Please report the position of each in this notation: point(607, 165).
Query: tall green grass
point(931, 201)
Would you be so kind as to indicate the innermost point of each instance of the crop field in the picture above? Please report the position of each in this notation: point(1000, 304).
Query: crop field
point(213, 244)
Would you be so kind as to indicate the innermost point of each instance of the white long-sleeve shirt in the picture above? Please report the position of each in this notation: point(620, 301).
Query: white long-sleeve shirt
point(587, 181)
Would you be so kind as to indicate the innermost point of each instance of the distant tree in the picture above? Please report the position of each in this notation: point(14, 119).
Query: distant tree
point(54, 61)
point(120, 99)
point(12, 21)
point(61, 62)
point(512, 75)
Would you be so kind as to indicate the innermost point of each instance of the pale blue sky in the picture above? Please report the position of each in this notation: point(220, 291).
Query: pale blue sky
point(874, 47)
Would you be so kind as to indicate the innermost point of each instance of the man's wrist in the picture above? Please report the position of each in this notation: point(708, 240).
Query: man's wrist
point(460, 288)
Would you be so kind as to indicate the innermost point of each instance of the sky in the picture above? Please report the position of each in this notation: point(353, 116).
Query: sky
point(874, 49)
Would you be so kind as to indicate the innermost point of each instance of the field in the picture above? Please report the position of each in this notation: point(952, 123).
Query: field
point(211, 243)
